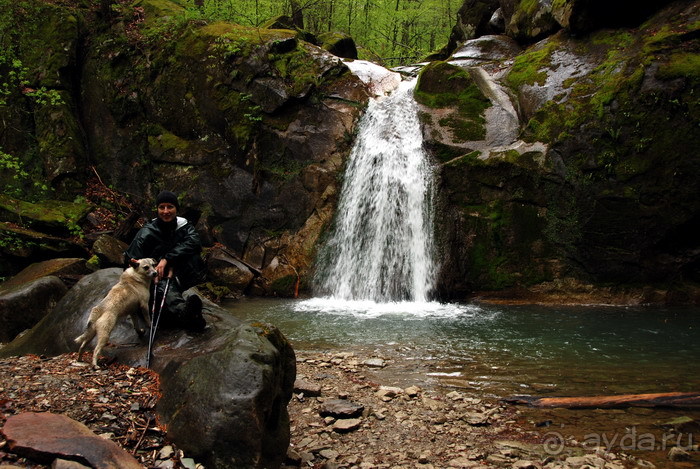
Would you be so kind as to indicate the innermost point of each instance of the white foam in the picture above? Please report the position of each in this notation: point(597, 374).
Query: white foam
point(368, 309)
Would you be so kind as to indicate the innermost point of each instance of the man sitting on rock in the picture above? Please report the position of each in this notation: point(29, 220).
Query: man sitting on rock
point(175, 244)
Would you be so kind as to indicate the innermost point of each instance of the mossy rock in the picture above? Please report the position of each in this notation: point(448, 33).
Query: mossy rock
point(45, 41)
point(279, 22)
point(157, 10)
point(54, 216)
point(445, 86)
point(531, 20)
point(339, 44)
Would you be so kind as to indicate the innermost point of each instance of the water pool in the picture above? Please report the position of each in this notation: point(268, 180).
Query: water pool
point(502, 350)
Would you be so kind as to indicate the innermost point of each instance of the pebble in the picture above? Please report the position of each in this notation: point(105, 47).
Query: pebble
point(346, 425)
point(374, 363)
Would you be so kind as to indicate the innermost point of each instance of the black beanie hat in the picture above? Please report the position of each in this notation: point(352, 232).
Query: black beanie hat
point(167, 197)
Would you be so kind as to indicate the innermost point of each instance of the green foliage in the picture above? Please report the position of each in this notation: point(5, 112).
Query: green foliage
point(390, 31)
point(254, 113)
point(15, 80)
point(14, 243)
point(11, 163)
point(17, 177)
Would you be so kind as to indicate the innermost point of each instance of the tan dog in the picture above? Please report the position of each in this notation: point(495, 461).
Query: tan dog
point(129, 296)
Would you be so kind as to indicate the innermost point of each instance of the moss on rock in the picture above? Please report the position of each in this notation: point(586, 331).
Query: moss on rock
point(56, 215)
point(445, 86)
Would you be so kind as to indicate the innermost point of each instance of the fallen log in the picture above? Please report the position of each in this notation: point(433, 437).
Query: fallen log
point(678, 400)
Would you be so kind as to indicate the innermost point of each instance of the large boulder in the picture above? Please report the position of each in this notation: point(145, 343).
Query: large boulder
point(109, 250)
point(68, 269)
point(529, 21)
point(25, 305)
point(583, 16)
point(224, 391)
point(339, 44)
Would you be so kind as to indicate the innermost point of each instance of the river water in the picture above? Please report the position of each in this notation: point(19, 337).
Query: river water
point(499, 350)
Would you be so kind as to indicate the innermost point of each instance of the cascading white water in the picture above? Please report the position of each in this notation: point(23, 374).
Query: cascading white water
point(381, 246)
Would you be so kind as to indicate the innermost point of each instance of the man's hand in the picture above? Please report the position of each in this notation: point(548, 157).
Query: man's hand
point(163, 270)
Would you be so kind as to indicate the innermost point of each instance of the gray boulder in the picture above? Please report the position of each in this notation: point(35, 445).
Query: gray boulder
point(25, 305)
point(224, 391)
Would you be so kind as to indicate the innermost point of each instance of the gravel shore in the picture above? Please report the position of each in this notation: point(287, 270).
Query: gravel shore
point(344, 416)
point(348, 411)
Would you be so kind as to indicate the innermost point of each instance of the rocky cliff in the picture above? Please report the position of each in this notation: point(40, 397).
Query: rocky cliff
point(249, 126)
point(565, 131)
point(569, 152)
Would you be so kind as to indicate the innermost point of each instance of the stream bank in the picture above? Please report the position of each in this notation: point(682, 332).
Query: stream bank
point(379, 421)
point(351, 411)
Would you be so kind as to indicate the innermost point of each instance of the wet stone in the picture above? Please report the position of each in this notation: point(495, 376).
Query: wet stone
point(374, 363)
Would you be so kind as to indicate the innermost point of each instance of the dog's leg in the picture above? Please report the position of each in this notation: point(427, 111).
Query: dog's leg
point(135, 321)
point(89, 333)
point(103, 328)
point(145, 313)
point(85, 339)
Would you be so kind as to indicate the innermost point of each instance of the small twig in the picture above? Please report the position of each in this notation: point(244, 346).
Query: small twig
point(143, 435)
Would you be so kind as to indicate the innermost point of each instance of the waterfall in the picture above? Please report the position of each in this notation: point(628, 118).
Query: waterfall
point(381, 245)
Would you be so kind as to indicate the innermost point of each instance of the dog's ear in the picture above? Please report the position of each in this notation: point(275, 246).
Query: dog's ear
point(133, 262)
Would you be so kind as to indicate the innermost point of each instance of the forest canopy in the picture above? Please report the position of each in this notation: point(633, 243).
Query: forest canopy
point(391, 32)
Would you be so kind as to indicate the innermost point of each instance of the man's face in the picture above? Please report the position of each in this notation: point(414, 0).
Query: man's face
point(167, 212)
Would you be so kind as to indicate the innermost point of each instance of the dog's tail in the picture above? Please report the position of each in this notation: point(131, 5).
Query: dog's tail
point(87, 335)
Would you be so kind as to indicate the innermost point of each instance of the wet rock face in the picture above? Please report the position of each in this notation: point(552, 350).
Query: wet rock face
point(531, 21)
point(575, 188)
point(225, 390)
point(474, 19)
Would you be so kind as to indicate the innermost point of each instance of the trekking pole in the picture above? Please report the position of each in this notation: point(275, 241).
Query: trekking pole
point(154, 320)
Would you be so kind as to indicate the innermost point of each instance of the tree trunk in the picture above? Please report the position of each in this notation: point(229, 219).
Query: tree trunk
point(297, 14)
point(680, 400)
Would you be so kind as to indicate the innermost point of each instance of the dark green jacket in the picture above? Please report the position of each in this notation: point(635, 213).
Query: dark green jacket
point(179, 245)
